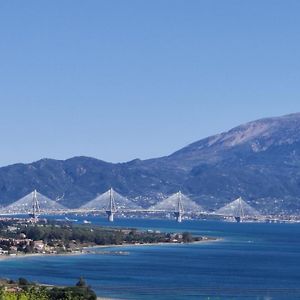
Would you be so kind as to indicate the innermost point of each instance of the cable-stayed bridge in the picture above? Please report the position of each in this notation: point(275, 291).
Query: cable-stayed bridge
point(177, 203)
point(111, 202)
point(33, 201)
point(238, 209)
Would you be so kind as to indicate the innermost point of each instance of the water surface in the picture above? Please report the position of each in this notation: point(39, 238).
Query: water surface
point(252, 261)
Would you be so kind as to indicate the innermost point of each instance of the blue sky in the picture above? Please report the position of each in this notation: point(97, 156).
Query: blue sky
point(119, 80)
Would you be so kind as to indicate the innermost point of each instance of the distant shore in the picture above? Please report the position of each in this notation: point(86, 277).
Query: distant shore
point(88, 249)
point(205, 239)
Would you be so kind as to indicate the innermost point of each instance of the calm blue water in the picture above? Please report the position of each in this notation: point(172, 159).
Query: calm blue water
point(253, 261)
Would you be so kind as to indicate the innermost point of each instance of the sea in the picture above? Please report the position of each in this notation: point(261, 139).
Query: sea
point(248, 261)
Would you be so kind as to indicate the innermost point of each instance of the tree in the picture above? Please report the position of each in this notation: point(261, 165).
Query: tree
point(23, 281)
point(187, 237)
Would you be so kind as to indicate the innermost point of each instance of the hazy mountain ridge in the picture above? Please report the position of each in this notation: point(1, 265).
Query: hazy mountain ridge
point(259, 160)
point(256, 136)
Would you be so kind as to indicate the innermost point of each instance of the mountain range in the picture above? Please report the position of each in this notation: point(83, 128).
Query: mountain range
point(259, 161)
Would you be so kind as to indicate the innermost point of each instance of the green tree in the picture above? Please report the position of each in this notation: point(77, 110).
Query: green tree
point(23, 281)
point(187, 237)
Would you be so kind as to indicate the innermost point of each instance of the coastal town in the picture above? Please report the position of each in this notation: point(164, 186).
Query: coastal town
point(25, 236)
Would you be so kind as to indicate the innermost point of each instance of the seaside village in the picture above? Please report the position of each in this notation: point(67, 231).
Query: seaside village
point(14, 243)
point(40, 236)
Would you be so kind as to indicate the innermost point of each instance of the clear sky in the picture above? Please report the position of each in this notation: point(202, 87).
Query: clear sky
point(119, 80)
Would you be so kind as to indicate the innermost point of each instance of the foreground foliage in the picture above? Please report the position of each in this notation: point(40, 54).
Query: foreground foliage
point(23, 290)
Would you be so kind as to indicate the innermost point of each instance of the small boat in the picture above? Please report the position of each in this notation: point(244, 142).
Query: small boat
point(86, 222)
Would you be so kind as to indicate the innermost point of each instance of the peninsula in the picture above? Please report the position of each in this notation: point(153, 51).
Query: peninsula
point(22, 236)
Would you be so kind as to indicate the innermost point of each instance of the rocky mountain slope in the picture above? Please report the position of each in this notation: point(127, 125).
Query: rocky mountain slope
point(259, 161)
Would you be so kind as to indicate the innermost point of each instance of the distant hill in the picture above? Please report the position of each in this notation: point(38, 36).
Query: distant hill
point(259, 161)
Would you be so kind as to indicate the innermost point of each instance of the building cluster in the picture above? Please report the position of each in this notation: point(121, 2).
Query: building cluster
point(19, 246)
point(14, 243)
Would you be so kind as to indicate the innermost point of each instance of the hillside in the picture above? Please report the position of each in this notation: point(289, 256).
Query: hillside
point(259, 161)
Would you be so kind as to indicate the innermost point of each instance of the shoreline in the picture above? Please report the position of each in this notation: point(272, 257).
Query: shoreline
point(155, 244)
point(85, 249)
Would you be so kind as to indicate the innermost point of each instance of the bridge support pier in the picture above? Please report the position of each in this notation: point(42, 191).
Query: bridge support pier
point(110, 215)
point(178, 216)
point(238, 219)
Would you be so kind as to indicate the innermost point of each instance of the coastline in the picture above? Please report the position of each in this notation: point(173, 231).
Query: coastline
point(88, 249)
point(207, 240)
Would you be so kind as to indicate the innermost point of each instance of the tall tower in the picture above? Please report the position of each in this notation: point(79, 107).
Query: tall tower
point(35, 206)
point(179, 208)
point(240, 211)
point(111, 208)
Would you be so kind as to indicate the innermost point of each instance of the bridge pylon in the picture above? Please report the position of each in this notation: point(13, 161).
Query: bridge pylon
point(240, 211)
point(35, 207)
point(179, 208)
point(111, 208)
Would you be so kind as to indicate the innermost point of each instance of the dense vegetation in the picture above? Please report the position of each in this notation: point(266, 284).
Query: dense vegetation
point(66, 233)
point(84, 234)
point(24, 290)
point(98, 235)
point(18, 236)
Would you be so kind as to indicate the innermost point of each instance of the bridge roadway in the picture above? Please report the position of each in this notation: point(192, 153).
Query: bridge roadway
point(86, 211)
point(103, 211)
point(82, 211)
